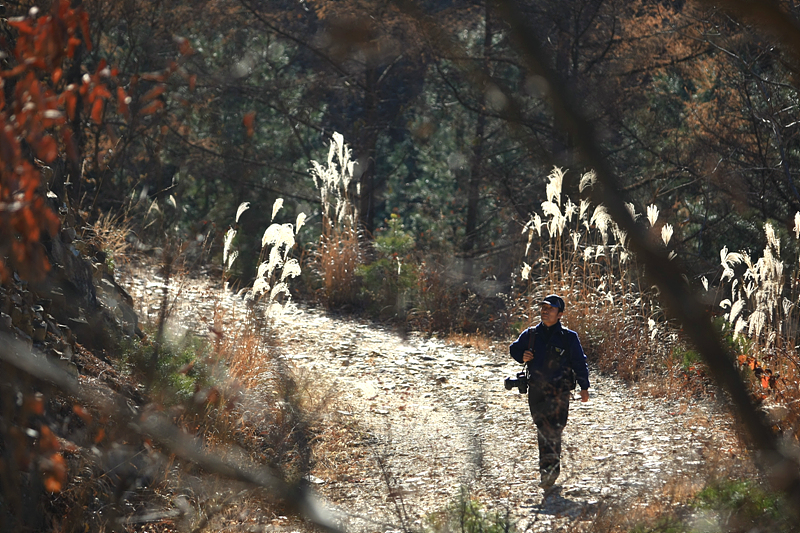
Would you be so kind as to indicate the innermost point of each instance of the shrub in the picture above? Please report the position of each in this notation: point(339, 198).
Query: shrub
point(743, 503)
point(388, 282)
point(173, 371)
point(467, 515)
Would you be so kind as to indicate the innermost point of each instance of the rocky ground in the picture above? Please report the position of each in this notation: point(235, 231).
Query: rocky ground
point(435, 419)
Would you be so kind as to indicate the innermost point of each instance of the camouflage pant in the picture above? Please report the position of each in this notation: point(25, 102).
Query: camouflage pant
point(549, 409)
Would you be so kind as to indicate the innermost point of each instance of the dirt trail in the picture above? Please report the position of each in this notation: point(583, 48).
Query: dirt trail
point(442, 420)
point(438, 419)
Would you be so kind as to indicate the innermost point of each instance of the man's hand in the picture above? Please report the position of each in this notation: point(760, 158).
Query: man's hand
point(584, 395)
point(527, 355)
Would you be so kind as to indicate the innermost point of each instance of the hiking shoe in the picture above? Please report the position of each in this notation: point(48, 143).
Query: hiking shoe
point(548, 479)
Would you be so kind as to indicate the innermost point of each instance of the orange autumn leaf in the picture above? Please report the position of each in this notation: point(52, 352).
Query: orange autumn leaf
point(33, 404)
point(151, 108)
point(47, 440)
point(52, 484)
point(14, 71)
point(47, 149)
point(184, 46)
point(156, 91)
point(99, 91)
point(249, 121)
point(22, 26)
point(82, 413)
point(97, 111)
point(85, 29)
point(122, 102)
point(72, 44)
point(55, 472)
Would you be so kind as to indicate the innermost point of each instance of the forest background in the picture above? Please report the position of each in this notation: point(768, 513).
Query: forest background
point(168, 116)
point(451, 132)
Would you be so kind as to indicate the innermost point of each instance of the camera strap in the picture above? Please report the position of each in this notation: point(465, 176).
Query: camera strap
point(531, 341)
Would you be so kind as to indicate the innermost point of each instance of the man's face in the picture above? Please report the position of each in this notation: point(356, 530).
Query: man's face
point(550, 314)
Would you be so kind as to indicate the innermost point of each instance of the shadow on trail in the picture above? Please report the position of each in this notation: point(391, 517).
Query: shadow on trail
point(555, 504)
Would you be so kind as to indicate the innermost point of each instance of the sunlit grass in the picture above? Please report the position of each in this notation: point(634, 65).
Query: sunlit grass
point(758, 300)
point(338, 253)
point(576, 250)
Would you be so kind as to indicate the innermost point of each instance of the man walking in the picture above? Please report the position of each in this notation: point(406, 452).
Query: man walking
point(554, 363)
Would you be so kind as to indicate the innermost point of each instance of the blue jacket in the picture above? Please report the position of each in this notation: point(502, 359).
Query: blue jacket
point(549, 363)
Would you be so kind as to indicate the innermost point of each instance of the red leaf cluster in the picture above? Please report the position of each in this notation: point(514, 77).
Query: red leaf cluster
point(34, 124)
point(52, 465)
point(34, 448)
point(765, 376)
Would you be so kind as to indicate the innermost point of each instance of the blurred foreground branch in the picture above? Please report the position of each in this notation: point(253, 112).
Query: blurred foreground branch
point(781, 468)
point(160, 430)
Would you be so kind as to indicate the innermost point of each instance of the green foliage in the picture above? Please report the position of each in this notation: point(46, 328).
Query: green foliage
point(736, 344)
point(176, 370)
point(743, 496)
point(394, 240)
point(687, 357)
point(388, 281)
point(743, 505)
point(725, 504)
point(467, 515)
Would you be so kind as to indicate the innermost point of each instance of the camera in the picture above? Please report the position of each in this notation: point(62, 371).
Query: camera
point(521, 382)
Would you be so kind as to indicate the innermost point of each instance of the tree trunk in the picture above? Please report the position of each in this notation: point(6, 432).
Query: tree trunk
point(476, 167)
point(369, 140)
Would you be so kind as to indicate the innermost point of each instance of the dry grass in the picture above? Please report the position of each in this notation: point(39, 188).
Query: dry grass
point(760, 319)
point(338, 256)
point(109, 234)
point(672, 504)
point(579, 252)
point(467, 340)
point(339, 250)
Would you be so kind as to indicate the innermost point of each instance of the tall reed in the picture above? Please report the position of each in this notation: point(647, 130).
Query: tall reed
point(338, 254)
point(269, 294)
point(760, 317)
point(578, 251)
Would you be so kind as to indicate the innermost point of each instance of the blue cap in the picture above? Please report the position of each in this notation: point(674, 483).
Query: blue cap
point(555, 301)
